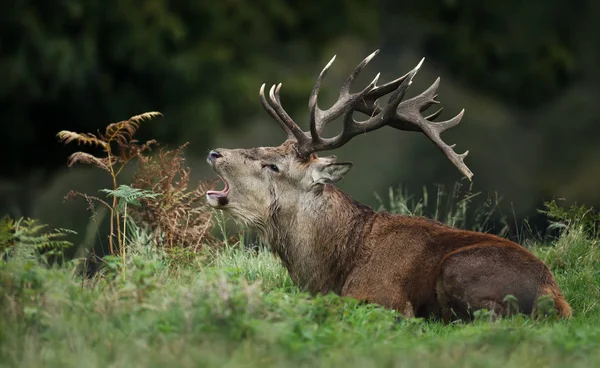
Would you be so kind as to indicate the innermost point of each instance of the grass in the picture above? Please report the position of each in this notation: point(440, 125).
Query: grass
point(235, 306)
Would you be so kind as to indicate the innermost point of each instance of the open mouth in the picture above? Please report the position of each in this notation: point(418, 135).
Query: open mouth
point(219, 195)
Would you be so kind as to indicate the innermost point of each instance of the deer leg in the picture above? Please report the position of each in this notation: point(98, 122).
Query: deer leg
point(360, 287)
point(483, 277)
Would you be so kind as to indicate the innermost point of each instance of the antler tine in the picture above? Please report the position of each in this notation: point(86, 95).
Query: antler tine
point(345, 90)
point(369, 103)
point(433, 131)
point(319, 118)
point(273, 113)
point(396, 97)
point(384, 89)
point(314, 111)
point(409, 112)
point(287, 121)
point(435, 114)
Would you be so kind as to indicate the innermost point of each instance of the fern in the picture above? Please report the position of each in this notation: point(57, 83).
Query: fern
point(120, 148)
point(127, 195)
point(159, 196)
point(27, 238)
point(7, 233)
point(87, 139)
point(123, 131)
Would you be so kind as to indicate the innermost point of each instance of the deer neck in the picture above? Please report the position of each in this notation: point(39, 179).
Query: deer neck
point(319, 237)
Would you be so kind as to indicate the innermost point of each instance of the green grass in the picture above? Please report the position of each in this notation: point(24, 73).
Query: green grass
point(237, 307)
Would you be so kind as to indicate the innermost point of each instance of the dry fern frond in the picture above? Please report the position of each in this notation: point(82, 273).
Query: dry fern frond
point(89, 199)
point(67, 137)
point(179, 216)
point(132, 149)
point(123, 131)
point(145, 116)
point(86, 158)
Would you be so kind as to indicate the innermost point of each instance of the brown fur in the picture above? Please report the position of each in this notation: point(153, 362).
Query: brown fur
point(330, 243)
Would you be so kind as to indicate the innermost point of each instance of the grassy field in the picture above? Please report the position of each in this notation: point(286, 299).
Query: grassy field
point(237, 307)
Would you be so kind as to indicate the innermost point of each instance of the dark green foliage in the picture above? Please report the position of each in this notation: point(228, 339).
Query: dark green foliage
point(199, 62)
point(511, 49)
point(574, 218)
point(128, 196)
point(26, 238)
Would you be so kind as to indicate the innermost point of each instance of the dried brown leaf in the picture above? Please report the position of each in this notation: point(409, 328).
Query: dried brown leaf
point(86, 158)
point(179, 216)
point(145, 116)
point(67, 137)
point(120, 132)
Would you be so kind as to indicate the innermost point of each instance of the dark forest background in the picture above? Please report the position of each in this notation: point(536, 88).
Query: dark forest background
point(526, 73)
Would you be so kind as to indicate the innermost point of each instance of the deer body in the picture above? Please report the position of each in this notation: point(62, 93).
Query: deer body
point(412, 264)
point(330, 243)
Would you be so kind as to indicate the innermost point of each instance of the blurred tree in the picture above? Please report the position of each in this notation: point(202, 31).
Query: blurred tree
point(78, 65)
point(511, 49)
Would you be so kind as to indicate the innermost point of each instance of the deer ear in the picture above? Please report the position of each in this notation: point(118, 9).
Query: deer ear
point(330, 173)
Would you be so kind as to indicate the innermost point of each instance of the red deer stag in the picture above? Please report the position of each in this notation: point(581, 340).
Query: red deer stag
point(330, 243)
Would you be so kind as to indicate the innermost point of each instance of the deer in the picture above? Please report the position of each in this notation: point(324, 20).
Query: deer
point(330, 243)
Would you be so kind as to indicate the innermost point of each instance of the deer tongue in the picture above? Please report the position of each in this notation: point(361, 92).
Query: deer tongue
point(219, 193)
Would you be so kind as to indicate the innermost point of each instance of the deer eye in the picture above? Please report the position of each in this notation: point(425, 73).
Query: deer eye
point(272, 167)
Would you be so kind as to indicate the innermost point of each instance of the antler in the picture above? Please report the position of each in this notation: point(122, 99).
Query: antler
point(402, 115)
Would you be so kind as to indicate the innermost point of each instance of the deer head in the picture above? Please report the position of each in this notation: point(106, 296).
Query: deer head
point(260, 182)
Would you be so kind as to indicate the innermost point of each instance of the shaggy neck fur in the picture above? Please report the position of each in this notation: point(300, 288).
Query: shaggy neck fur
point(318, 238)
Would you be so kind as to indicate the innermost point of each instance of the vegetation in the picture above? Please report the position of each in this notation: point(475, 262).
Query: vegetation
point(235, 305)
point(178, 216)
point(116, 158)
point(238, 307)
point(454, 208)
point(160, 186)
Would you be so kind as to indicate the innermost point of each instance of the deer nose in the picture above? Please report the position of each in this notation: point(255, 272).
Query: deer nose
point(214, 155)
